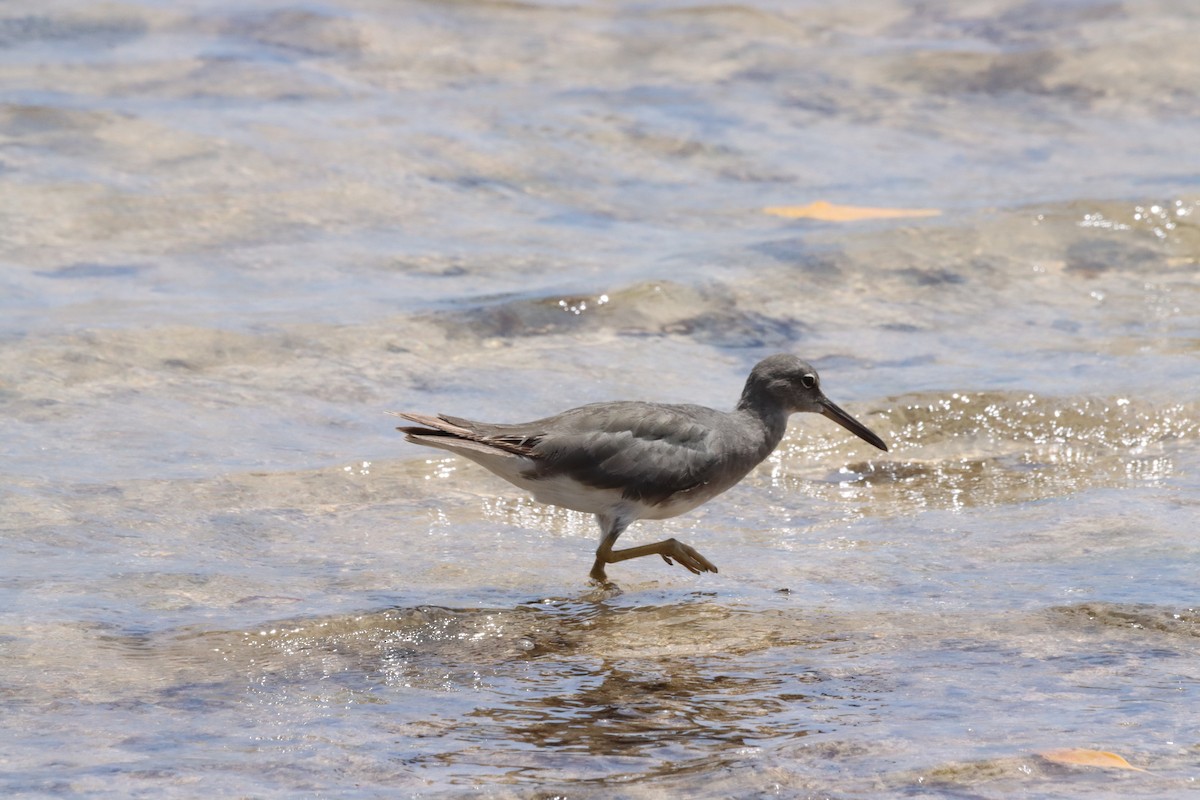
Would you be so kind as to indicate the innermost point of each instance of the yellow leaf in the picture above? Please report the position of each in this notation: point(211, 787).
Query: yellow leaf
point(828, 212)
point(1087, 758)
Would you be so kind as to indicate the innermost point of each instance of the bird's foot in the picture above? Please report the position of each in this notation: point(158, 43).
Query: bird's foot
point(688, 557)
point(602, 590)
point(671, 551)
point(598, 575)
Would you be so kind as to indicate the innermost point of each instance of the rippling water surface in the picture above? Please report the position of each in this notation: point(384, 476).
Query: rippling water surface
point(233, 235)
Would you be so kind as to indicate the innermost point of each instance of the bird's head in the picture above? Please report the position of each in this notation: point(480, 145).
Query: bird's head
point(786, 382)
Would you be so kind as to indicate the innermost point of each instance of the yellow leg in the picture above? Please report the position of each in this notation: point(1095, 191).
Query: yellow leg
point(687, 556)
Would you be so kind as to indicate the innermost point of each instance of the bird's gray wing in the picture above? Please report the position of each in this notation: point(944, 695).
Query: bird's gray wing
point(648, 451)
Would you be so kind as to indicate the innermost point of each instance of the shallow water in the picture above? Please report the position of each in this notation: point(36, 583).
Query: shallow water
point(234, 236)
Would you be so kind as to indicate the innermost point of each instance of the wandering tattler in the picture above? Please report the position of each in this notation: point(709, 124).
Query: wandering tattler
point(626, 461)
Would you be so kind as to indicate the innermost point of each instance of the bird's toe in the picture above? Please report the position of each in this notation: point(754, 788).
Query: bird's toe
point(689, 558)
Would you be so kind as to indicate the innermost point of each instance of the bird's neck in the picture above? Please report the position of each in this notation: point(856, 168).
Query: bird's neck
point(768, 420)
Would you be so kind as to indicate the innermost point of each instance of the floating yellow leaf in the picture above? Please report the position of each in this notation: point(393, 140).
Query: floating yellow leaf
point(1087, 758)
point(828, 212)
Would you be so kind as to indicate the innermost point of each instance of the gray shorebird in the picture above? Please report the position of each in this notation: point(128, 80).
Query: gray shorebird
point(625, 461)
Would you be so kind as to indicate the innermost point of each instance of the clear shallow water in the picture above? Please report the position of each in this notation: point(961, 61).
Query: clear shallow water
point(234, 237)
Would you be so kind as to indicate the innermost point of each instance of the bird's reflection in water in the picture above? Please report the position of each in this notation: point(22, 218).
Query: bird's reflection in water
point(632, 709)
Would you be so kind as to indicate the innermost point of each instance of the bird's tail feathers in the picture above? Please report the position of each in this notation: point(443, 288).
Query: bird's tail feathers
point(441, 427)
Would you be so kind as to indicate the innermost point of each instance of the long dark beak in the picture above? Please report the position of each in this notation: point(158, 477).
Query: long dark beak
point(830, 409)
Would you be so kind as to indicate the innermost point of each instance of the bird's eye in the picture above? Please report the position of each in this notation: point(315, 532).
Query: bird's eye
point(808, 380)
